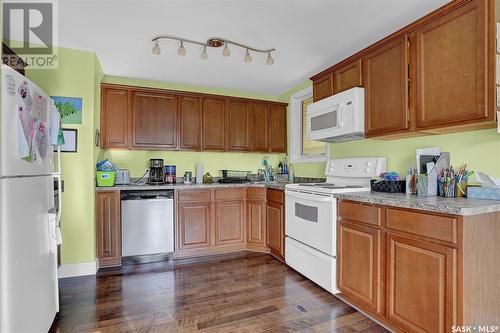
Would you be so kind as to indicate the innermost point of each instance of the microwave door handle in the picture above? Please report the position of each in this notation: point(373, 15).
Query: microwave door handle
point(341, 115)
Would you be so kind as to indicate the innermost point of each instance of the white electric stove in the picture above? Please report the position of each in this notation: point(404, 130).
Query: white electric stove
point(311, 216)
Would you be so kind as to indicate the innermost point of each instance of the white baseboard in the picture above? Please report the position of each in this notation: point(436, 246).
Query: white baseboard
point(79, 269)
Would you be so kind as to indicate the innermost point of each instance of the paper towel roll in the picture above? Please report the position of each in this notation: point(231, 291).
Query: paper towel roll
point(199, 173)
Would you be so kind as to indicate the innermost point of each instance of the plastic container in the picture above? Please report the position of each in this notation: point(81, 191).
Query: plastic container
point(105, 178)
point(170, 174)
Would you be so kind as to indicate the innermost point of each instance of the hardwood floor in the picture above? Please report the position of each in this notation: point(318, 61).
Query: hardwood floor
point(241, 292)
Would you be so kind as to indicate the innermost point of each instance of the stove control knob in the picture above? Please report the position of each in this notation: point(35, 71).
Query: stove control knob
point(367, 170)
point(369, 164)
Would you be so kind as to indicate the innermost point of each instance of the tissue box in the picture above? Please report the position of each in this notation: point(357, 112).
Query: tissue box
point(489, 193)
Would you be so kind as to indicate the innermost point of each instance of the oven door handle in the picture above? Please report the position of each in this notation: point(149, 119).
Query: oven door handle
point(309, 196)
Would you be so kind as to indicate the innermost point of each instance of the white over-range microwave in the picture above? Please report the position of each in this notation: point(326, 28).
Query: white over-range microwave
point(337, 118)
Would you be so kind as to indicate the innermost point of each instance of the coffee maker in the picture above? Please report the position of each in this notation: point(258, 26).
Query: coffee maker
point(156, 171)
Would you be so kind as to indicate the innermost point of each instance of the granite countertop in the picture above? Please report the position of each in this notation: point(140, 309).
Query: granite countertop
point(453, 206)
point(142, 186)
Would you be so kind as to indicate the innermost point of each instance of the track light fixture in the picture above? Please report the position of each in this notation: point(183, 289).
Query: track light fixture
point(214, 42)
point(248, 58)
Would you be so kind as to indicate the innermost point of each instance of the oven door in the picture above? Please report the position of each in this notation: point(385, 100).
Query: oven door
point(311, 219)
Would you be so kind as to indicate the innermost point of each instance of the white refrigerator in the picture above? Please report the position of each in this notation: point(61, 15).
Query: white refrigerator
point(29, 222)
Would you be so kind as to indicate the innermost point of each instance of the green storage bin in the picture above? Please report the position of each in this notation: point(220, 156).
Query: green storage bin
point(105, 179)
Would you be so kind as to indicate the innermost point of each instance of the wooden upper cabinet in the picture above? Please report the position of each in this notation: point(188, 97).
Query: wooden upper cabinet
point(108, 234)
point(385, 75)
point(214, 124)
point(260, 126)
point(421, 295)
point(114, 117)
point(347, 77)
point(360, 266)
point(189, 123)
point(450, 64)
point(154, 120)
point(239, 124)
point(277, 129)
point(323, 87)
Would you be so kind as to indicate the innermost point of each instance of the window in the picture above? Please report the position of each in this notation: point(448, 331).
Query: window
point(302, 149)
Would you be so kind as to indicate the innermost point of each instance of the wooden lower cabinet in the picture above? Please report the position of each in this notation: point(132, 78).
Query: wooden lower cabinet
point(194, 225)
point(360, 265)
point(229, 219)
point(274, 229)
point(256, 222)
point(108, 232)
point(229, 222)
point(421, 284)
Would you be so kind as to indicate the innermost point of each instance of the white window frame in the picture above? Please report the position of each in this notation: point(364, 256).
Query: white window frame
point(296, 130)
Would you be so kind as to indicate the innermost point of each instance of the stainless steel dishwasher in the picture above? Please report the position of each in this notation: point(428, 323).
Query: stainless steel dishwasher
point(147, 223)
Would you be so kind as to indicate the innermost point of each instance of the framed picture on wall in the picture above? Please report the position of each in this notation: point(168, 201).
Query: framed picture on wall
point(70, 141)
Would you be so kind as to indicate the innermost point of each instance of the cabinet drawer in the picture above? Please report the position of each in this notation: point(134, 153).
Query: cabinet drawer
point(256, 193)
point(357, 212)
point(194, 195)
point(230, 194)
point(277, 196)
point(428, 225)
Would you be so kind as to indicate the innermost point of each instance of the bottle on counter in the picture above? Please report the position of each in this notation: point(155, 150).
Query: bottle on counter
point(280, 169)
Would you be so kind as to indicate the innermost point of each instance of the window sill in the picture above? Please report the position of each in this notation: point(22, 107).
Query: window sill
point(305, 159)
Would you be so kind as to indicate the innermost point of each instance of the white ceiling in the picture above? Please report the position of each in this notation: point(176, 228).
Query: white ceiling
point(309, 36)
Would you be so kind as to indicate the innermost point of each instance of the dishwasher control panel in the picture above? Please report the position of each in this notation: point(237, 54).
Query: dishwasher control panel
point(146, 194)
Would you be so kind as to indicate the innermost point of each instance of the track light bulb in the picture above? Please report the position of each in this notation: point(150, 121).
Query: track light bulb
point(156, 49)
point(226, 52)
point(270, 59)
point(182, 49)
point(248, 58)
point(204, 54)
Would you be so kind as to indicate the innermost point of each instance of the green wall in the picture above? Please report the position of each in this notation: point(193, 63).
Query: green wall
point(137, 161)
point(77, 76)
point(479, 149)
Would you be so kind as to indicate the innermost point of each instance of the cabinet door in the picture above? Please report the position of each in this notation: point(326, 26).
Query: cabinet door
point(154, 120)
point(277, 126)
point(194, 225)
point(229, 222)
point(114, 117)
point(451, 67)
point(108, 234)
point(274, 229)
point(260, 127)
point(239, 125)
point(421, 285)
point(323, 87)
point(214, 124)
point(385, 73)
point(256, 222)
point(189, 123)
point(347, 77)
point(360, 267)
